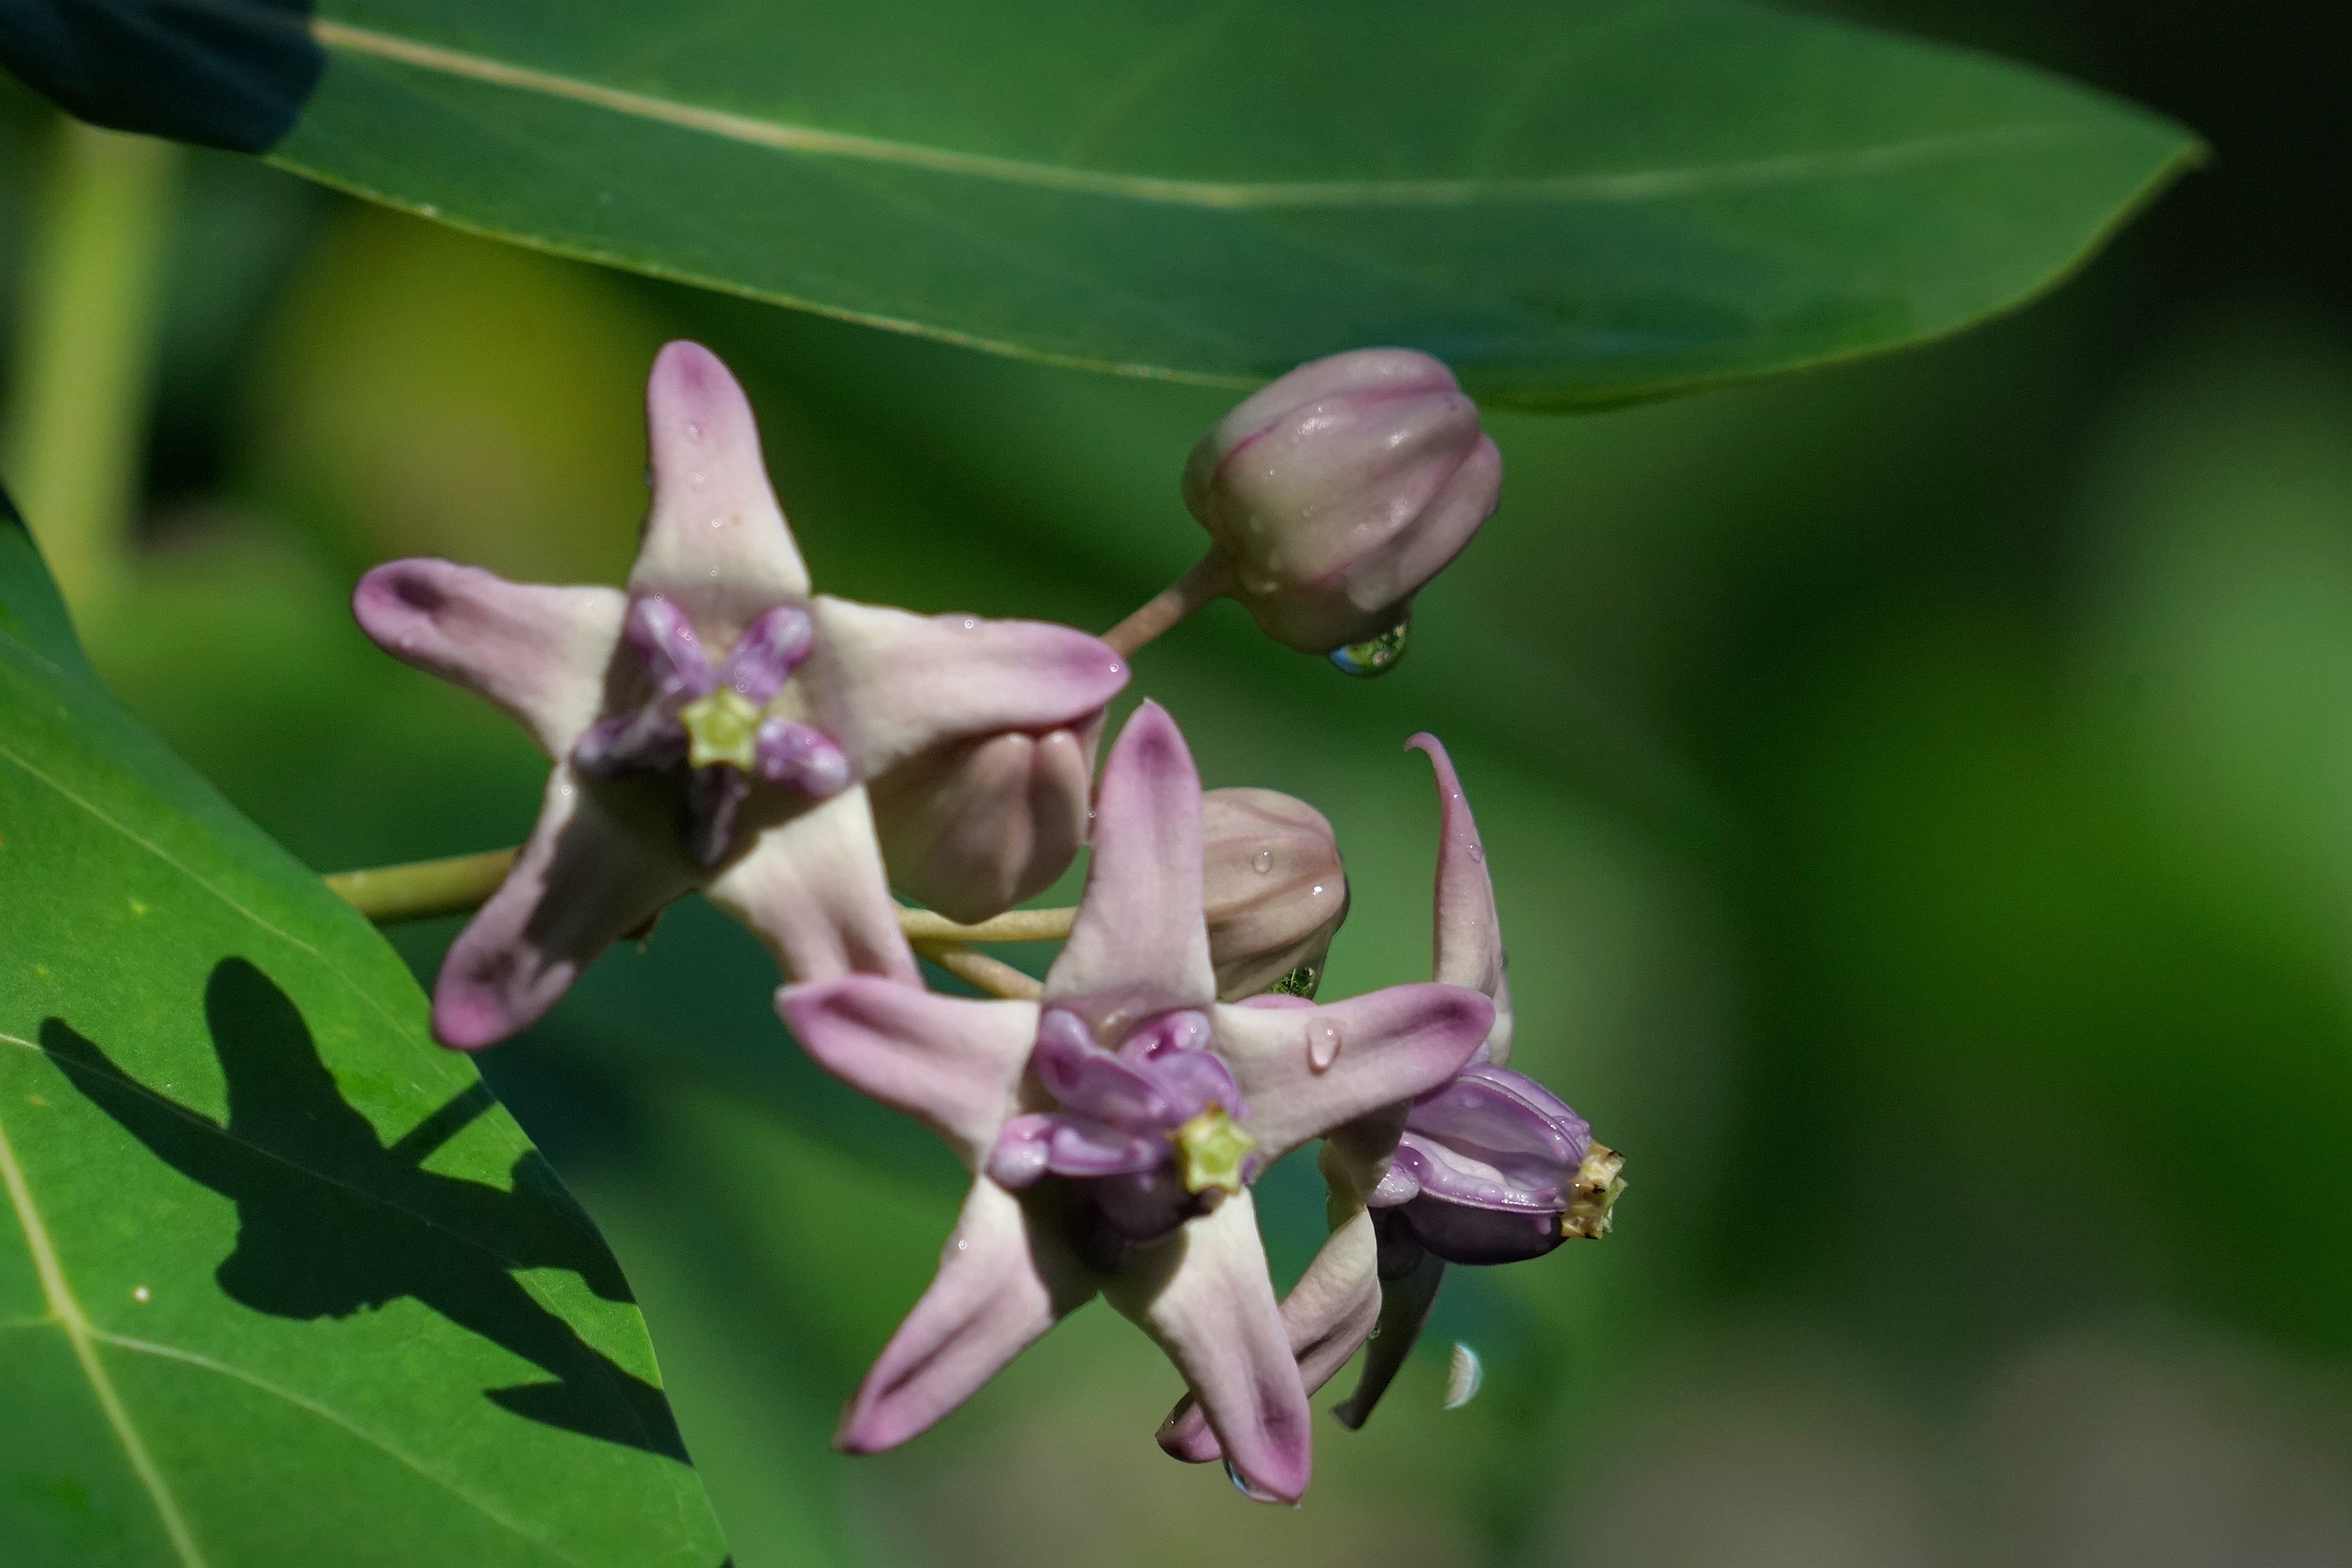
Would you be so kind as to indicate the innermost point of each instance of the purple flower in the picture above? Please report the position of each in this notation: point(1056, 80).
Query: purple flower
point(1112, 1129)
point(1336, 491)
point(712, 725)
point(1488, 1167)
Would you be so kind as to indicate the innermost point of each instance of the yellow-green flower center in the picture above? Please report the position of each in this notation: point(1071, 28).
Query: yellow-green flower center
point(1593, 1193)
point(721, 726)
point(1210, 1149)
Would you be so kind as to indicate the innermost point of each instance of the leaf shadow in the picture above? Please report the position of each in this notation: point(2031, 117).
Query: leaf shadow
point(330, 1219)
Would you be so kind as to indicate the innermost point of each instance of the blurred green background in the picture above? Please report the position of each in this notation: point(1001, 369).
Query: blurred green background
point(1918, 802)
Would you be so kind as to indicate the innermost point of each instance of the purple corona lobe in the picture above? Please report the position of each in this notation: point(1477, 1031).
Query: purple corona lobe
point(681, 721)
point(1117, 1126)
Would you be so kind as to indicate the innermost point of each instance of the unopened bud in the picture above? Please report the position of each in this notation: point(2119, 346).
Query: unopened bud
point(1273, 889)
point(973, 828)
point(1338, 490)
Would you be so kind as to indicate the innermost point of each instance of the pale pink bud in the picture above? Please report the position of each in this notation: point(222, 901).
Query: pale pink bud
point(1336, 491)
point(1273, 889)
point(973, 828)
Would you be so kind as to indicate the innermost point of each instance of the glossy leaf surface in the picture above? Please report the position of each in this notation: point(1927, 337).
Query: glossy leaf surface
point(1570, 204)
point(279, 1282)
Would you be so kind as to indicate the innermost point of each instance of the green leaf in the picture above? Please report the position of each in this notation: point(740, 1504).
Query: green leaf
point(279, 1282)
point(1572, 206)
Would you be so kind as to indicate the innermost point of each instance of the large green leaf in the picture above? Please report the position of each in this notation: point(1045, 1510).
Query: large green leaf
point(1572, 203)
point(279, 1282)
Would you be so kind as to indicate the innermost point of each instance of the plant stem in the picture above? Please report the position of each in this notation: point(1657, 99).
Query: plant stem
point(993, 976)
point(78, 404)
point(419, 891)
point(423, 889)
point(1210, 576)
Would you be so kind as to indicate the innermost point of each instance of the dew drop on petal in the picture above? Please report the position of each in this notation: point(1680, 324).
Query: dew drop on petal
point(693, 430)
point(1375, 655)
point(1477, 851)
point(1322, 1044)
point(1462, 1376)
point(1262, 862)
point(1243, 1485)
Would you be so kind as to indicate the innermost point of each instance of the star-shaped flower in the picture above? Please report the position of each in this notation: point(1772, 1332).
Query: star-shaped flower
point(1488, 1167)
point(712, 725)
point(1112, 1128)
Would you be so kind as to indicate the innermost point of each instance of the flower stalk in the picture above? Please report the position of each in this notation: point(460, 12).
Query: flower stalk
point(1210, 578)
point(421, 890)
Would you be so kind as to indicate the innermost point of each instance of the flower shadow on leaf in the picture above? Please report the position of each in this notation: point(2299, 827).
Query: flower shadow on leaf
point(329, 1219)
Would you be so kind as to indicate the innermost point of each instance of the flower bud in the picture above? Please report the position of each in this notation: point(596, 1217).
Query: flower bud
point(1338, 490)
point(973, 828)
point(1273, 889)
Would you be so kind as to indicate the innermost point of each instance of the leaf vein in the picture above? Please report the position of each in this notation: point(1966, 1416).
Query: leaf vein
point(66, 1309)
point(327, 1414)
point(1630, 185)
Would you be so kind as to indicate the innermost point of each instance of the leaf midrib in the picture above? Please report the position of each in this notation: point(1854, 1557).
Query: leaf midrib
point(67, 1310)
point(1625, 186)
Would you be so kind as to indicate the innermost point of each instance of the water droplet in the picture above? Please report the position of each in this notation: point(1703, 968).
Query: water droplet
point(1315, 891)
point(1262, 862)
point(701, 478)
point(694, 430)
point(1322, 1045)
point(972, 623)
point(1462, 1376)
point(717, 522)
point(1299, 982)
point(1374, 656)
point(1477, 851)
point(139, 1293)
point(963, 1245)
point(1247, 1488)
point(714, 574)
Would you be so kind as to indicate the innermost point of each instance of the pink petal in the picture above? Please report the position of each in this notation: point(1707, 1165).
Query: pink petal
point(890, 685)
point(1204, 1296)
point(811, 886)
point(715, 542)
point(601, 859)
point(1001, 1284)
point(1329, 1314)
point(1141, 944)
point(1391, 1045)
point(974, 828)
point(1469, 934)
point(539, 653)
point(951, 1062)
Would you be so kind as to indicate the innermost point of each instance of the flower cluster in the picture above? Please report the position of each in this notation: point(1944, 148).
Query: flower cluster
point(717, 725)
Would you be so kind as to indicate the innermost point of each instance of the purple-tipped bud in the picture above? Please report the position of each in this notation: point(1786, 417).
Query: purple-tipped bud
point(1338, 490)
point(973, 828)
point(1273, 889)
